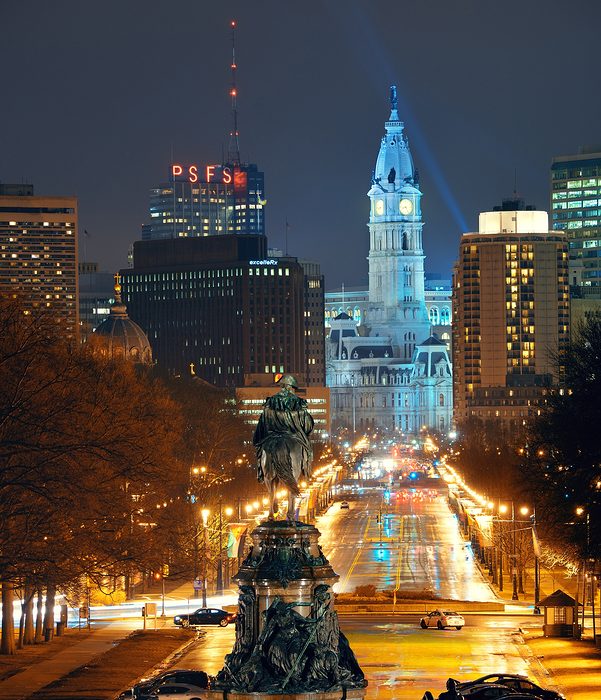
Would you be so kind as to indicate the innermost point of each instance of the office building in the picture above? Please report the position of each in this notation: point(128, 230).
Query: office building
point(390, 372)
point(218, 307)
point(258, 387)
point(211, 200)
point(511, 314)
point(38, 253)
point(576, 209)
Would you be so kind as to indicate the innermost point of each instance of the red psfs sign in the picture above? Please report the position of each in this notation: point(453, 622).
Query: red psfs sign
point(210, 173)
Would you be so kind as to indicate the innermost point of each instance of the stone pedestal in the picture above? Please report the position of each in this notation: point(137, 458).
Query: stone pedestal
point(288, 642)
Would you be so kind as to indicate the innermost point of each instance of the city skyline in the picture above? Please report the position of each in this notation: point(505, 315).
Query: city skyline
point(121, 92)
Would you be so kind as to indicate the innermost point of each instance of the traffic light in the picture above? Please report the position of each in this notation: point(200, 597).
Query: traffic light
point(165, 570)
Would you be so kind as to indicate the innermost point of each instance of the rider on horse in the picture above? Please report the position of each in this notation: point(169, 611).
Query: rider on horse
point(283, 427)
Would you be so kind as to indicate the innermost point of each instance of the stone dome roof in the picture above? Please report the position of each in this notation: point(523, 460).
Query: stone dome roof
point(120, 337)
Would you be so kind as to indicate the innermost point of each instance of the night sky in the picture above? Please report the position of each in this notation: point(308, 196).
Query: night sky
point(96, 96)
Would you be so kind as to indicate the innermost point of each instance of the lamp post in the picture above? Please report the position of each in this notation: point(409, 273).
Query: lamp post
point(585, 593)
point(536, 550)
point(205, 517)
point(514, 569)
point(502, 509)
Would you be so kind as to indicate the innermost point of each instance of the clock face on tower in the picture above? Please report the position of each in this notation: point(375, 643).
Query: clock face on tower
point(379, 207)
point(405, 206)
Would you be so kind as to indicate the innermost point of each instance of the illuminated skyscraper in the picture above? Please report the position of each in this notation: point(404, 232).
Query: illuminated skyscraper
point(510, 314)
point(576, 209)
point(218, 307)
point(38, 253)
point(210, 200)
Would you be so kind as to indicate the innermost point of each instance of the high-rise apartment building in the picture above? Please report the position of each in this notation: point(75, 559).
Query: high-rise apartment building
point(511, 313)
point(219, 308)
point(576, 209)
point(38, 253)
point(210, 200)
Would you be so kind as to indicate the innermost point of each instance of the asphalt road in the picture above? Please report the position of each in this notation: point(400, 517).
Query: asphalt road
point(401, 661)
point(416, 547)
point(422, 548)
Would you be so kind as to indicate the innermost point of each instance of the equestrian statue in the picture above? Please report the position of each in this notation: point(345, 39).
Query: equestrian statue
point(281, 438)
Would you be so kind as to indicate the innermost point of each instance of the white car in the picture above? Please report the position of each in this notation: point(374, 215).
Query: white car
point(442, 619)
point(178, 691)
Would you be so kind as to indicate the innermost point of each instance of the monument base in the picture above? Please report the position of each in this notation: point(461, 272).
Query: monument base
point(344, 693)
point(288, 640)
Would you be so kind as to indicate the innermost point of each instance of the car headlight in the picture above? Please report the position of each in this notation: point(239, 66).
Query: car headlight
point(177, 618)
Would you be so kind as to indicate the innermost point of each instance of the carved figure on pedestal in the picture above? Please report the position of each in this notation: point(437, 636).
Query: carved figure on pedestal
point(281, 439)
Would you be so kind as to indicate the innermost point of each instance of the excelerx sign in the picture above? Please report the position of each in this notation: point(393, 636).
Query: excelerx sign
point(263, 262)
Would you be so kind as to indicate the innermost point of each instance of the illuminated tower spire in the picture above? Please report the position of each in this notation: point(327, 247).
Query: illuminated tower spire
point(234, 147)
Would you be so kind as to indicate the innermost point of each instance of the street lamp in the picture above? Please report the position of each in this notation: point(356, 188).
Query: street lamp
point(502, 511)
point(514, 569)
point(205, 517)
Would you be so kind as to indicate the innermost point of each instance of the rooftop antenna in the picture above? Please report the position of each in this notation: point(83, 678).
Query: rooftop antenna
point(286, 227)
point(515, 182)
point(234, 147)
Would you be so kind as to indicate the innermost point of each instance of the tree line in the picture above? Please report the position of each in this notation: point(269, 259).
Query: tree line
point(96, 457)
point(554, 462)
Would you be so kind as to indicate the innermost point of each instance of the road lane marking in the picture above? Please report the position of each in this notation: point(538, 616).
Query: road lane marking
point(356, 559)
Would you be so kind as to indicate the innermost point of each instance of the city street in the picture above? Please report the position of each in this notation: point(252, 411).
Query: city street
point(421, 548)
point(401, 660)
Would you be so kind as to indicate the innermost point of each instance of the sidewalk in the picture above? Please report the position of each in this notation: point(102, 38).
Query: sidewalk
point(572, 665)
point(38, 675)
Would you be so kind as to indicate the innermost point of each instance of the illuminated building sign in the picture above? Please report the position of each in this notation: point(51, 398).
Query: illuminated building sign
point(263, 262)
point(210, 173)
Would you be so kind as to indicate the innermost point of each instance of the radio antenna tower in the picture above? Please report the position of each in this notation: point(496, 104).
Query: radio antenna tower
point(234, 147)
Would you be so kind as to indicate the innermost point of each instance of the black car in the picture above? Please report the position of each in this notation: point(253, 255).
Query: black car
point(147, 688)
point(205, 616)
point(513, 681)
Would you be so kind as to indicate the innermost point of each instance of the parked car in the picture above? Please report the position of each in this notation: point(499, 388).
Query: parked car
point(486, 691)
point(205, 616)
point(515, 682)
point(344, 505)
point(442, 619)
point(145, 689)
point(174, 691)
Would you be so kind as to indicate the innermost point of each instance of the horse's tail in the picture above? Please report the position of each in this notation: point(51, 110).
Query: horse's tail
point(279, 464)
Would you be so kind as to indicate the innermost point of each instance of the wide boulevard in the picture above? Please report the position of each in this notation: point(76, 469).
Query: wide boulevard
point(421, 549)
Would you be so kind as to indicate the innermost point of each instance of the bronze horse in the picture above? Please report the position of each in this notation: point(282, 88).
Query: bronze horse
point(282, 467)
point(284, 452)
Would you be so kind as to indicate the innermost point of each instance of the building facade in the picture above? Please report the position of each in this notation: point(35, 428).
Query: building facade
point(38, 253)
point(511, 313)
point(251, 398)
point(212, 200)
point(576, 209)
point(353, 301)
point(389, 372)
point(218, 307)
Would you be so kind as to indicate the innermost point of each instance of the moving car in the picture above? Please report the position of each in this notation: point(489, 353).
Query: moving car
point(344, 505)
point(205, 616)
point(145, 689)
point(515, 682)
point(442, 619)
point(173, 691)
